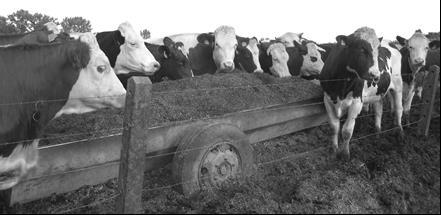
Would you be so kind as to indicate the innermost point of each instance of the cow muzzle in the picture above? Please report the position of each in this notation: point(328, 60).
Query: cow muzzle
point(227, 66)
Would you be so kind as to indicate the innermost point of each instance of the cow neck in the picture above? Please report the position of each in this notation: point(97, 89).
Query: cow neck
point(337, 81)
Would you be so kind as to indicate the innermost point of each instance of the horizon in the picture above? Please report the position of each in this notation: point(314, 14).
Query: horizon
point(249, 18)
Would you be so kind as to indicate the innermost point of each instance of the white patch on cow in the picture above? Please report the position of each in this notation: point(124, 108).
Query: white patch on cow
point(369, 35)
point(97, 85)
point(254, 49)
point(20, 161)
point(288, 39)
point(224, 48)
point(280, 60)
point(312, 62)
point(134, 55)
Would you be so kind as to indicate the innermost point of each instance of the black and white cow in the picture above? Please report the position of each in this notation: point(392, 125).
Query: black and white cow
point(359, 71)
point(274, 59)
point(71, 77)
point(126, 51)
point(417, 57)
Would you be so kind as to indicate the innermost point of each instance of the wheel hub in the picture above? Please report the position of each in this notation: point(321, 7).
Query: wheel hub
point(220, 164)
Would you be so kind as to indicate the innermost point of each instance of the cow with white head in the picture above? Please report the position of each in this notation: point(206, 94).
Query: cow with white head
point(225, 44)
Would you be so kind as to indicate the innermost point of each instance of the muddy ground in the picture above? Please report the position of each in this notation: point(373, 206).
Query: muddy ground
point(385, 175)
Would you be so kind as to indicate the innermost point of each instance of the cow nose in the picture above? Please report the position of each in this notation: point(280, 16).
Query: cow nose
point(229, 65)
point(419, 61)
point(156, 65)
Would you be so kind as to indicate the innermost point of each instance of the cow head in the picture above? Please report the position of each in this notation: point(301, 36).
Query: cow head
point(417, 46)
point(134, 56)
point(175, 64)
point(279, 57)
point(247, 55)
point(288, 39)
point(359, 56)
point(369, 35)
point(225, 45)
point(97, 85)
point(312, 59)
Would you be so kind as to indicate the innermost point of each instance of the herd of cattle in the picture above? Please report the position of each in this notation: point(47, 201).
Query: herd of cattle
point(47, 73)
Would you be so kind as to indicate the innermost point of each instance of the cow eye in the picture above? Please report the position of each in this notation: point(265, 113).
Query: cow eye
point(101, 68)
point(313, 59)
point(411, 47)
point(427, 48)
point(217, 45)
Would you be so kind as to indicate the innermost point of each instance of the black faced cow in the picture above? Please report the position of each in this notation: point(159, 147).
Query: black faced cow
point(348, 80)
point(62, 78)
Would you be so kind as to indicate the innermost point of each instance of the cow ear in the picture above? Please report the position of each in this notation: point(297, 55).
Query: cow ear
point(434, 44)
point(301, 35)
point(163, 50)
point(342, 40)
point(381, 39)
point(205, 38)
point(168, 42)
point(401, 41)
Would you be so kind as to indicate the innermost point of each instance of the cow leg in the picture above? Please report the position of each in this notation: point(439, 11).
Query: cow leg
point(391, 102)
point(408, 102)
point(348, 127)
point(334, 122)
point(378, 108)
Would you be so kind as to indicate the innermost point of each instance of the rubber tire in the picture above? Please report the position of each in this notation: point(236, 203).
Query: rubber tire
point(186, 162)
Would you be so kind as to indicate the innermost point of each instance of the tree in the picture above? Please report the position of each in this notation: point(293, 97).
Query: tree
point(145, 34)
point(23, 21)
point(76, 24)
point(6, 27)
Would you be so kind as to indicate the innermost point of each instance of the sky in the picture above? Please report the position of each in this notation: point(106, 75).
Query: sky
point(319, 20)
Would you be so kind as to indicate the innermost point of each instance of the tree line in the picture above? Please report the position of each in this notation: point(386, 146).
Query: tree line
point(22, 21)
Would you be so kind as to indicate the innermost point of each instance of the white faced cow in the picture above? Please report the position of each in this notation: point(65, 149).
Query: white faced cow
point(415, 52)
point(359, 71)
point(126, 51)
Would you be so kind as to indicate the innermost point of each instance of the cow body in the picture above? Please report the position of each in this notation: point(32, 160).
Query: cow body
point(62, 78)
point(348, 83)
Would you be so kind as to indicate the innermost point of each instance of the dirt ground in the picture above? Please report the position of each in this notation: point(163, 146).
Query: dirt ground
point(385, 175)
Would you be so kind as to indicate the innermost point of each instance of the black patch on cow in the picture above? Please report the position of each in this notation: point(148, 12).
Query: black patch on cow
point(295, 60)
point(243, 59)
point(383, 56)
point(336, 80)
point(406, 71)
point(201, 59)
point(265, 60)
point(110, 42)
point(384, 83)
point(49, 73)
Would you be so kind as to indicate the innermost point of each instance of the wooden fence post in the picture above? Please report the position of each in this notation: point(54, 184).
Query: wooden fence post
point(428, 96)
point(132, 163)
